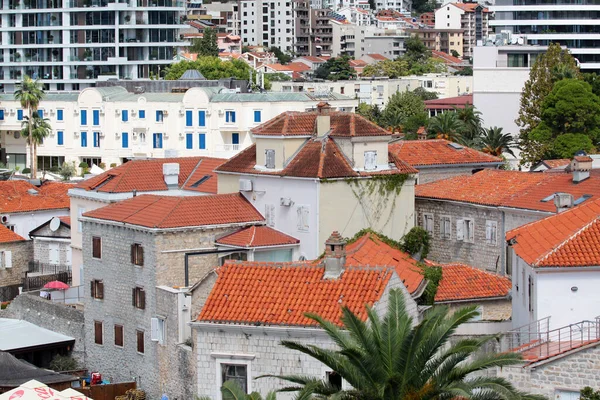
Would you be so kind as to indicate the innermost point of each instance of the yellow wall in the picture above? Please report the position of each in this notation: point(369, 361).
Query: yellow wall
point(284, 149)
point(359, 149)
point(228, 183)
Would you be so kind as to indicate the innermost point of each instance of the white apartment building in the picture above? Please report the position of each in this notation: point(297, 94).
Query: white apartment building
point(355, 15)
point(396, 5)
point(473, 18)
point(574, 24)
point(109, 125)
point(356, 41)
point(267, 23)
point(70, 44)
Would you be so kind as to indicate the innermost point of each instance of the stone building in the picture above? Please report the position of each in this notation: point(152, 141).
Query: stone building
point(15, 254)
point(468, 216)
point(51, 246)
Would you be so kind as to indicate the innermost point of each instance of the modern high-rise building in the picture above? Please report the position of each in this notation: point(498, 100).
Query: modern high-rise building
point(70, 44)
point(574, 24)
point(267, 23)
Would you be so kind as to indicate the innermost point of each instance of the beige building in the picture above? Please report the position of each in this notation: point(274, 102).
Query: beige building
point(444, 40)
point(473, 18)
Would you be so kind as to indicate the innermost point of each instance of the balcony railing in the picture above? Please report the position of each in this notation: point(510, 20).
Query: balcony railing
point(228, 147)
point(39, 268)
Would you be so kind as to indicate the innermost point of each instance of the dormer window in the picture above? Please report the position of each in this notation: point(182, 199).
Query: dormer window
point(370, 160)
point(270, 158)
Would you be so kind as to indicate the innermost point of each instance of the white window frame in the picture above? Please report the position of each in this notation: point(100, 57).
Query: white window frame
point(227, 117)
point(235, 359)
point(559, 391)
point(445, 229)
point(427, 218)
point(303, 218)
point(491, 232)
point(158, 329)
point(370, 160)
point(80, 212)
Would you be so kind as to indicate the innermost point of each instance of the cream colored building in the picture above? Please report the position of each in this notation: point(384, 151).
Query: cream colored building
point(109, 125)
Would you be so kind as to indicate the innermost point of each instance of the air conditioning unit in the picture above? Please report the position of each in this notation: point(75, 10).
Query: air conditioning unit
point(101, 134)
point(117, 112)
point(133, 112)
point(181, 135)
point(12, 110)
point(76, 111)
point(118, 135)
point(286, 202)
point(221, 113)
point(245, 185)
point(76, 134)
point(182, 112)
point(5, 219)
point(165, 113)
point(102, 111)
point(208, 112)
point(52, 111)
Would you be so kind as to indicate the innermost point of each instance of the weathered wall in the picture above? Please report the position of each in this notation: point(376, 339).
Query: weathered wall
point(427, 175)
point(21, 253)
point(56, 317)
point(491, 310)
point(41, 251)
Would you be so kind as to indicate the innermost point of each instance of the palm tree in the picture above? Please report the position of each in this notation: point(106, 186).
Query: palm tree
point(390, 358)
point(393, 123)
point(471, 120)
point(30, 93)
point(495, 142)
point(35, 129)
point(445, 126)
point(231, 390)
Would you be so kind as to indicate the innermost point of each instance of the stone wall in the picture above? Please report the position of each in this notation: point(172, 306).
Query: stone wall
point(427, 175)
point(569, 373)
point(21, 254)
point(479, 254)
point(41, 251)
point(491, 310)
point(56, 317)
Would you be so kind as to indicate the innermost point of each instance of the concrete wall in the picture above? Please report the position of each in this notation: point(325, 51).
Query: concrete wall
point(21, 254)
point(427, 174)
point(491, 310)
point(56, 317)
point(25, 222)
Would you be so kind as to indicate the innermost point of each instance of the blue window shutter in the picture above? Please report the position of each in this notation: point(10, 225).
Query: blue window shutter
point(160, 144)
point(142, 114)
point(124, 115)
point(189, 138)
point(96, 117)
point(257, 116)
point(59, 115)
point(154, 137)
point(235, 138)
point(60, 138)
point(202, 141)
point(1, 115)
point(188, 118)
point(233, 116)
point(20, 115)
point(227, 116)
point(41, 113)
point(96, 139)
point(83, 139)
point(158, 115)
point(83, 117)
point(125, 140)
point(201, 118)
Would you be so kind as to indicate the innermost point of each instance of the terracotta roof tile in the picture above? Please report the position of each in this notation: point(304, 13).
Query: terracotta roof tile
point(257, 236)
point(313, 59)
point(568, 239)
point(469, 7)
point(449, 59)
point(449, 103)
point(378, 57)
point(15, 196)
point(147, 176)
point(559, 163)
point(8, 236)
point(163, 212)
point(65, 220)
point(282, 293)
point(420, 153)
point(463, 282)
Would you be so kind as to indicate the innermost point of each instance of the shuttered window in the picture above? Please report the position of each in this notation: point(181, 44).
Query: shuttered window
point(138, 298)
point(140, 341)
point(96, 247)
point(491, 228)
point(119, 335)
point(97, 289)
point(445, 228)
point(428, 223)
point(270, 158)
point(98, 334)
point(370, 160)
point(137, 254)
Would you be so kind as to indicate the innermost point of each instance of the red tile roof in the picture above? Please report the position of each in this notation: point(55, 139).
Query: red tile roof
point(449, 103)
point(568, 239)
point(257, 236)
point(147, 176)
point(469, 7)
point(463, 282)
point(419, 153)
point(15, 196)
point(312, 59)
point(282, 293)
point(378, 57)
point(8, 236)
point(163, 212)
point(65, 220)
point(559, 163)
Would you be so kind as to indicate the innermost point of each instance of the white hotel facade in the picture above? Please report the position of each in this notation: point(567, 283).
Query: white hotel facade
point(109, 125)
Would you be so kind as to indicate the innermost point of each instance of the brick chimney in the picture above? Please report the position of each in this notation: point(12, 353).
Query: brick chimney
point(323, 118)
point(581, 167)
point(171, 175)
point(335, 256)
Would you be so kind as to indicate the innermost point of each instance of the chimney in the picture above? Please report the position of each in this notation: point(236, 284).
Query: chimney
point(335, 256)
point(581, 166)
point(563, 201)
point(323, 118)
point(171, 175)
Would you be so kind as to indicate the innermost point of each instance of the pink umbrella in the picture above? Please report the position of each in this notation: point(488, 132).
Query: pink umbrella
point(56, 285)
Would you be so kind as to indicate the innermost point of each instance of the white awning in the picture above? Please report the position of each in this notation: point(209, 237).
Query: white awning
point(18, 334)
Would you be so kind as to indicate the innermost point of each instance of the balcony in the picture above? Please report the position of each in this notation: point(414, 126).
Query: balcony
point(37, 268)
point(227, 150)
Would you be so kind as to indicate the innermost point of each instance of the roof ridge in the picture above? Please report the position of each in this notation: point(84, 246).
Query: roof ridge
point(179, 199)
point(322, 155)
point(253, 230)
point(556, 248)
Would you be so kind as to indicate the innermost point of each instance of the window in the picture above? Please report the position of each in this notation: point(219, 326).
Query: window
point(188, 118)
point(334, 379)
point(1, 115)
point(59, 115)
point(530, 293)
point(157, 140)
point(97, 247)
point(370, 160)
point(189, 139)
point(159, 116)
point(40, 113)
point(124, 115)
point(157, 333)
point(202, 118)
point(19, 115)
point(230, 117)
point(235, 138)
point(96, 139)
point(270, 214)
point(257, 116)
point(96, 117)
point(270, 158)
point(237, 373)
point(124, 140)
point(83, 117)
point(140, 341)
point(97, 289)
point(142, 138)
point(137, 254)
point(119, 335)
point(80, 211)
point(465, 230)
point(6, 258)
point(98, 332)
point(60, 138)
point(428, 223)
point(202, 141)
point(491, 228)
point(83, 139)
point(303, 218)
point(138, 298)
point(445, 228)
point(142, 114)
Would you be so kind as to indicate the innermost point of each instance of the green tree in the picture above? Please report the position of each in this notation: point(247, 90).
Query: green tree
point(281, 56)
point(587, 393)
point(207, 45)
point(67, 171)
point(336, 69)
point(565, 146)
point(389, 68)
point(231, 390)
point(246, 49)
point(387, 358)
point(425, 94)
point(35, 130)
point(401, 108)
point(29, 93)
point(423, 6)
point(496, 142)
point(539, 85)
point(445, 126)
point(416, 51)
point(466, 71)
point(210, 68)
point(594, 81)
point(455, 53)
point(470, 118)
point(372, 113)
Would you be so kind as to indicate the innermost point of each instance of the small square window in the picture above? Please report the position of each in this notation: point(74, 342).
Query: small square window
point(97, 289)
point(237, 373)
point(97, 247)
point(119, 335)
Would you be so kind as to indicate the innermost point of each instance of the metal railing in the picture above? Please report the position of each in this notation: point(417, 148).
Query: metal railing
point(228, 147)
point(39, 268)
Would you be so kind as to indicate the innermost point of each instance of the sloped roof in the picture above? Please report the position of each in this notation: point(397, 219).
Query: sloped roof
point(257, 236)
point(165, 212)
point(192, 75)
point(8, 236)
point(18, 334)
point(378, 57)
point(419, 153)
point(469, 7)
point(147, 176)
point(463, 282)
point(449, 59)
point(15, 372)
point(21, 196)
point(449, 103)
point(568, 239)
point(65, 220)
point(557, 163)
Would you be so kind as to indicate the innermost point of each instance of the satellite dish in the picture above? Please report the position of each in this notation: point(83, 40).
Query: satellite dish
point(520, 41)
point(514, 41)
point(54, 224)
